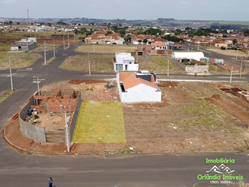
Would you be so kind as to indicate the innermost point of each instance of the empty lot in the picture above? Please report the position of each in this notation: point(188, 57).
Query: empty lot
point(105, 49)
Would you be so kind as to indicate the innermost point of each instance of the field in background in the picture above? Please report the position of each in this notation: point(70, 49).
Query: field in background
point(18, 60)
point(105, 49)
point(5, 47)
point(234, 22)
point(100, 122)
point(99, 63)
point(228, 52)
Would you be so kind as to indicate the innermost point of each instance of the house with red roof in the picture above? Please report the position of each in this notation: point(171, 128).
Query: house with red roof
point(140, 86)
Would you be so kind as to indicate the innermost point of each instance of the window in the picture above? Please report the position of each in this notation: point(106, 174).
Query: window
point(119, 67)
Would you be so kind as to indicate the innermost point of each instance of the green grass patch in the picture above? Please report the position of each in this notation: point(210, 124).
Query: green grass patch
point(99, 63)
point(100, 122)
point(5, 47)
point(18, 60)
point(50, 60)
point(66, 48)
point(6, 95)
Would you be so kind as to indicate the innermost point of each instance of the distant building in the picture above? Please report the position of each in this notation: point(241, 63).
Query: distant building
point(124, 61)
point(24, 45)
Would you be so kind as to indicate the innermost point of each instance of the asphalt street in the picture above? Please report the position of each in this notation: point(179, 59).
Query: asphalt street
point(104, 171)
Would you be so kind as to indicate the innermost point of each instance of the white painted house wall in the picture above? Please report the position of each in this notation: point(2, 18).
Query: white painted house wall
point(127, 60)
point(15, 48)
point(141, 93)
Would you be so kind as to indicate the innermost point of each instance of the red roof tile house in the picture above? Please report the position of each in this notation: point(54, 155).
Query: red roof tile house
point(137, 87)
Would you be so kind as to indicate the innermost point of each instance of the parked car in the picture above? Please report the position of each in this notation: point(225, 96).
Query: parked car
point(222, 47)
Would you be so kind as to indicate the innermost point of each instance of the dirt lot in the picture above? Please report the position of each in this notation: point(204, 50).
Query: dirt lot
point(99, 63)
point(55, 122)
point(91, 90)
point(105, 49)
point(194, 117)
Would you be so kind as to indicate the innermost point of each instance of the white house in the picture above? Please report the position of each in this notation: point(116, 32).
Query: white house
point(124, 61)
point(158, 46)
point(188, 55)
point(138, 87)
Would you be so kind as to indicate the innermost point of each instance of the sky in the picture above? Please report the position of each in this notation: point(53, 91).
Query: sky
point(128, 9)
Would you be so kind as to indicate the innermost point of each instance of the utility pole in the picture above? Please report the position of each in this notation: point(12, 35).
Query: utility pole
point(64, 42)
point(237, 53)
point(45, 57)
point(168, 65)
point(37, 80)
point(66, 127)
point(240, 68)
point(53, 48)
point(68, 45)
point(11, 81)
point(231, 76)
point(89, 65)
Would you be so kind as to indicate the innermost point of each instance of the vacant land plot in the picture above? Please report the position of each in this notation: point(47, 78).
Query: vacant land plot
point(18, 60)
point(50, 47)
point(195, 117)
point(228, 52)
point(4, 47)
point(105, 49)
point(21, 35)
point(99, 63)
point(100, 122)
point(158, 64)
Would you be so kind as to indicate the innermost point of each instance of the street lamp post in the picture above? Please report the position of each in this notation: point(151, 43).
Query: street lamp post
point(68, 44)
point(66, 127)
point(231, 76)
point(11, 81)
point(237, 54)
point(53, 47)
point(64, 42)
point(168, 66)
point(45, 55)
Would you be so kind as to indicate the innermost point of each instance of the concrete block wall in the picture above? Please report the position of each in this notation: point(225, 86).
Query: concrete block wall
point(31, 131)
point(75, 116)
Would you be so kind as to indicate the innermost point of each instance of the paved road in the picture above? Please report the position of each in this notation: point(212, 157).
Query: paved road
point(79, 171)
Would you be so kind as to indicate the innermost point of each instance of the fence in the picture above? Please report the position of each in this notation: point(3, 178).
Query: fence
point(29, 130)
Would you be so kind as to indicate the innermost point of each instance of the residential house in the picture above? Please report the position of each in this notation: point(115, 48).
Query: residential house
point(159, 47)
point(102, 38)
point(138, 87)
point(24, 44)
point(124, 61)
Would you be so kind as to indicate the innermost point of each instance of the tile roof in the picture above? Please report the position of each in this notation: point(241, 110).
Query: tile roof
point(158, 44)
point(130, 80)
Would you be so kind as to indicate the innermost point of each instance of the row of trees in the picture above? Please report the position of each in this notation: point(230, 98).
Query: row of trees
point(83, 31)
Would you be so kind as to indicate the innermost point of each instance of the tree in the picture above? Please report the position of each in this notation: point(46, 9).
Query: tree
point(49, 24)
point(139, 41)
point(145, 41)
point(10, 22)
point(188, 28)
point(234, 41)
